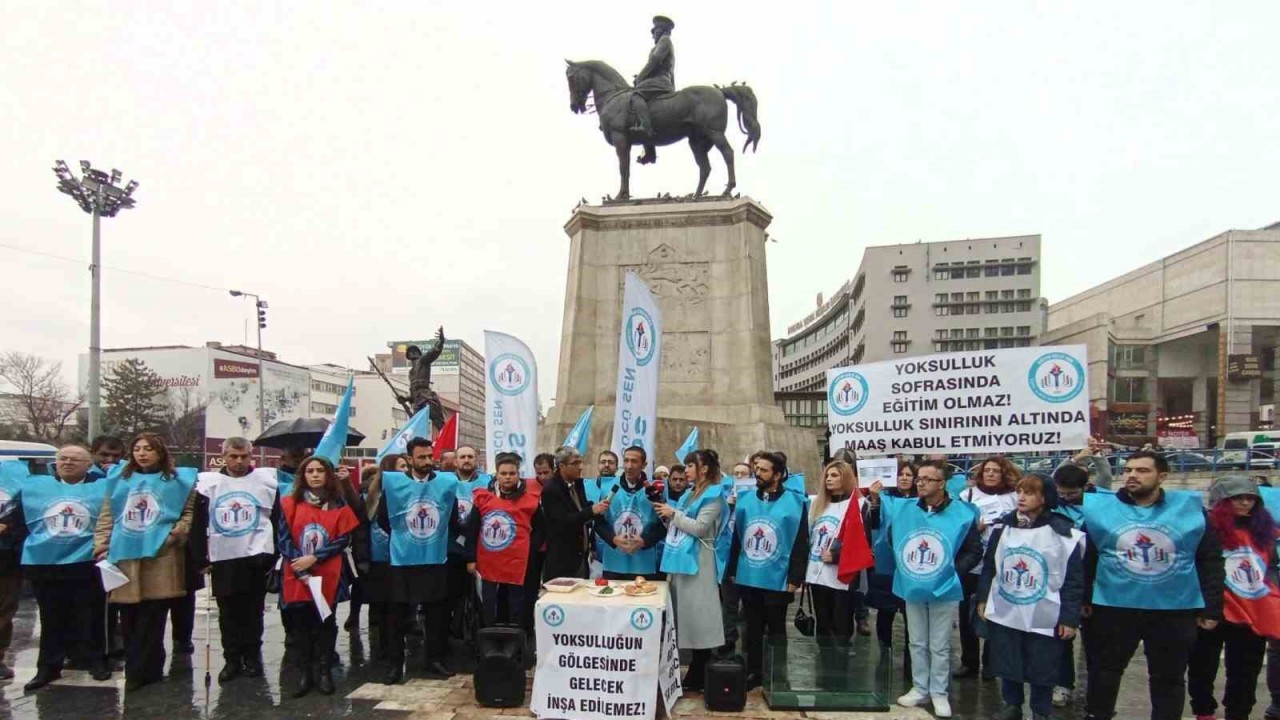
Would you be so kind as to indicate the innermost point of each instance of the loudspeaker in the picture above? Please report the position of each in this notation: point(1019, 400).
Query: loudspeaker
point(726, 689)
point(499, 676)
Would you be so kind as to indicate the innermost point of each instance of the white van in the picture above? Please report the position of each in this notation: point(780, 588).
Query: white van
point(1235, 448)
point(20, 450)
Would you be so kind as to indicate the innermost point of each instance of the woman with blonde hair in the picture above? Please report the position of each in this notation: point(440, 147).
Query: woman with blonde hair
point(832, 599)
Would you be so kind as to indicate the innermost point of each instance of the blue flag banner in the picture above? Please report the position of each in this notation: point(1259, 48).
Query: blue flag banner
point(335, 438)
point(418, 426)
point(580, 433)
point(689, 445)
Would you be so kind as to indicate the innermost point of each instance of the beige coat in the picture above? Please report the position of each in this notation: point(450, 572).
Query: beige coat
point(158, 578)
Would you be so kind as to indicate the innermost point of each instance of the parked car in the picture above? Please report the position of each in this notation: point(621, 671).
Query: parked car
point(1186, 461)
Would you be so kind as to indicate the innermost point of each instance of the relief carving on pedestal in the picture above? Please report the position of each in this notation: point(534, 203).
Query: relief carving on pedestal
point(686, 357)
point(669, 278)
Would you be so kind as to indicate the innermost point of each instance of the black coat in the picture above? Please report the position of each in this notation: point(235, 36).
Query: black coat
point(567, 525)
point(1024, 656)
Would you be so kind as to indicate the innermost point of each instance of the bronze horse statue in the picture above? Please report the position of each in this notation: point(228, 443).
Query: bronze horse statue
point(698, 113)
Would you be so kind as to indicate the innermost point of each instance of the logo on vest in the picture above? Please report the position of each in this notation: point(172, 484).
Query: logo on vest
point(675, 537)
point(641, 619)
point(1146, 552)
point(924, 554)
point(640, 336)
point(628, 524)
point(1023, 574)
point(235, 514)
point(848, 393)
point(497, 531)
point(141, 511)
point(510, 374)
point(823, 534)
point(1056, 377)
point(553, 615)
point(760, 542)
point(1246, 573)
point(67, 518)
point(464, 509)
point(422, 520)
point(314, 537)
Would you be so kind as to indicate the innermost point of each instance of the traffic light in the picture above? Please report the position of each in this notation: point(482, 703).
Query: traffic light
point(262, 314)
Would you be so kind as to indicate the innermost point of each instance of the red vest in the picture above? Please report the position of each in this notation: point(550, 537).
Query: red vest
point(502, 550)
point(1249, 598)
point(313, 528)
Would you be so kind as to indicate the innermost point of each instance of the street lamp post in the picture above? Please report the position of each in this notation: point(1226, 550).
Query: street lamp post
point(261, 306)
point(101, 196)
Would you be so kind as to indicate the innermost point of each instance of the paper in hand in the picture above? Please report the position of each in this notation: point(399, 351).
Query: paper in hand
point(317, 594)
point(112, 577)
point(878, 470)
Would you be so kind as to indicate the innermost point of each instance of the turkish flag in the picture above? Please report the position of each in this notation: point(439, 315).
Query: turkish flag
point(447, 439)
point(855, 551)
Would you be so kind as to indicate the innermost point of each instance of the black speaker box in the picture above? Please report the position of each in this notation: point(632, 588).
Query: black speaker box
point(499, 676)
point(726, 689)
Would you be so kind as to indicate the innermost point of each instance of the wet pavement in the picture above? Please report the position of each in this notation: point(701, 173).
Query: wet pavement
point(184, 694)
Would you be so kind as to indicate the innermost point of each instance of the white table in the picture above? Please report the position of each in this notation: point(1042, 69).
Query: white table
point(605, 657)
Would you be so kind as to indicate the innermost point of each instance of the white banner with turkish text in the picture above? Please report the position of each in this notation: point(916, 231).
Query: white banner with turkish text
point(1014, 400)
point(510, 400)
point(635, 417)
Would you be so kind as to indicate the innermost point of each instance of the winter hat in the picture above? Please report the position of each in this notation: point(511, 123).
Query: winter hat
point(1229, 486)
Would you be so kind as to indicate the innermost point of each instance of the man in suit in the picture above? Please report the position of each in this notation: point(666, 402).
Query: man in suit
point(568, 517)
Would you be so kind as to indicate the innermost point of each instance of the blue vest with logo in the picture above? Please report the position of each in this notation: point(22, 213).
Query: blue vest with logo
point(924, 549)
point(457, 543)
point(144, 508)
point(680, 550)
point(766, 532)
point(592, 488)
point(629, 514)
point(60, 519)
point(1146, 555)
point(419, 515)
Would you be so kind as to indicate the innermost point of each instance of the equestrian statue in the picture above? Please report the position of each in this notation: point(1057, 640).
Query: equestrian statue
point(651, 112)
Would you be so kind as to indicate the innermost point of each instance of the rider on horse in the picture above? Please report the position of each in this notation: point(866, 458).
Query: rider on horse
point(656, 80)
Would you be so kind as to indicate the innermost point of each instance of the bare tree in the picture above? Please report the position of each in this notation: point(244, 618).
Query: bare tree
point(184, 420)
point(38, 400)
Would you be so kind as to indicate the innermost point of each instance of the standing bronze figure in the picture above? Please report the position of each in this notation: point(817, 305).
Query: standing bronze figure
point(420, 392)
point(652, 113)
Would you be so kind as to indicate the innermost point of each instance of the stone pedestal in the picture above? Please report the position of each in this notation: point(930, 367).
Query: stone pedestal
point(705, 263)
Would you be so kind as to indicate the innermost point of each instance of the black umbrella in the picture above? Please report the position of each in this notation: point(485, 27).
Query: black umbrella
point(301, 432)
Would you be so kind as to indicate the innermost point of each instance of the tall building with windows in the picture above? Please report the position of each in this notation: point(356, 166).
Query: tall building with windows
point(910, 300)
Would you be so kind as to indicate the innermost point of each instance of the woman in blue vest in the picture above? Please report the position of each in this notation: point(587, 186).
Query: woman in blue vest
point(1030, 595)
point(768, 559)
point(689, 557)
point(880, 584)
point(317, 525)
point(58, 514)
point(142, 529)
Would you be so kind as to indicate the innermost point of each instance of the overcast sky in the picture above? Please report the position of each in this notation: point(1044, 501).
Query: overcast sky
point(376, 170)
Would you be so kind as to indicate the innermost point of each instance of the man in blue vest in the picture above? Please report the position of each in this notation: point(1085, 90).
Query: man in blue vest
point(630, 530)
point(935, 541)
point(768, 559)
point(1155, 575)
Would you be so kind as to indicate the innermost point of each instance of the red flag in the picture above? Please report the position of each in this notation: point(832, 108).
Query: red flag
point(855, 551)
point(447, 439)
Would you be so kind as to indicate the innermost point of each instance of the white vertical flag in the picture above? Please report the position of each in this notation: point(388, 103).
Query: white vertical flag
point(635, 419)
point(510, 400)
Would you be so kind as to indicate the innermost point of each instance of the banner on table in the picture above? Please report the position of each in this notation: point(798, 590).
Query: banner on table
point(1014, 400)
point(597, 660)
point(510, 400)
point(635, 419)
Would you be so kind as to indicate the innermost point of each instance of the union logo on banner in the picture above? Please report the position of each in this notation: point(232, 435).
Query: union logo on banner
point(553, 615)
point(640, 335)
point(847, 393)
point(67, 518)
point(1056, 377)
point(509, 374)
point(642, 619)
